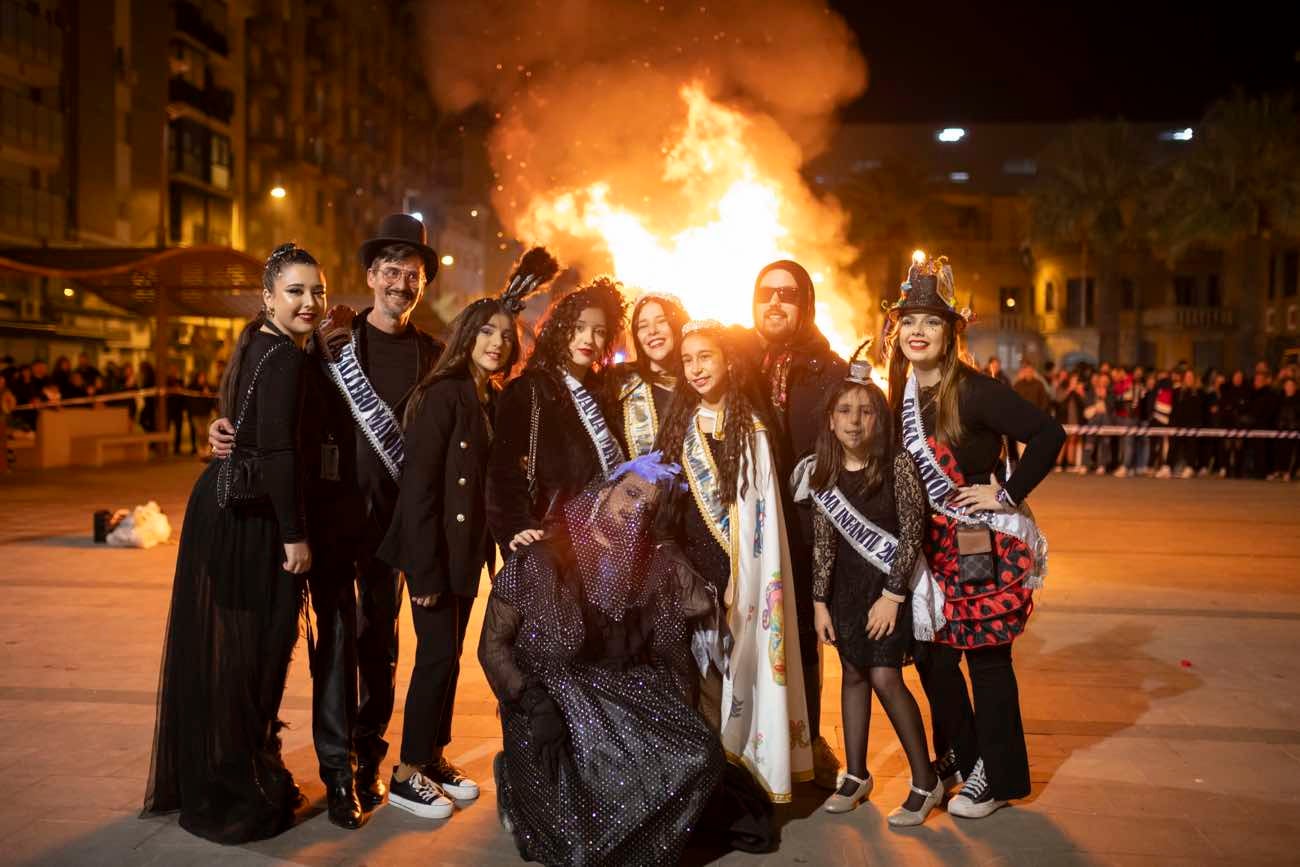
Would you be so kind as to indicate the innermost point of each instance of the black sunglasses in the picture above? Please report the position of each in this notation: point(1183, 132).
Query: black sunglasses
point(785, 294)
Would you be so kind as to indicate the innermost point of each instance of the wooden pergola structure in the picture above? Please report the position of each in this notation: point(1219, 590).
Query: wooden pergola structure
point(154, 283)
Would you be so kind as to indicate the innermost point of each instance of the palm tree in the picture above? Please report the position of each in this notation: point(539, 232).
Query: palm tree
point(1237, 188)
point(1090, 193)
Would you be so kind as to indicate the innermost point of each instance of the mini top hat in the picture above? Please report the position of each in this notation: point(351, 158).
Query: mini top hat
point(929, 289)
point(401, 229)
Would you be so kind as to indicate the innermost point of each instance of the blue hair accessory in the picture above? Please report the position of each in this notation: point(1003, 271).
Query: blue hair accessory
point(649, 466)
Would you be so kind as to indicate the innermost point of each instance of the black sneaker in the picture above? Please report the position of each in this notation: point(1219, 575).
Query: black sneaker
point(421, 796)
point(947, 771)
point(451, 780)
point(975, 800)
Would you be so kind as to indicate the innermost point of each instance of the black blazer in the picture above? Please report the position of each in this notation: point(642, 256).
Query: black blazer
point(566, 457)
point(438, 535)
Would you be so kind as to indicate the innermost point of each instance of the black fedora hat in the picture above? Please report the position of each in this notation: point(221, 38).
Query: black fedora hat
point(401, 229)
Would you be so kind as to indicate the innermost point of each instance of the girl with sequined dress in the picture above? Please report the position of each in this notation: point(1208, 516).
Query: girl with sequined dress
point(735, 536)
point(643, 387)
point(868, 514)
point(586, 644)
point(982, 544)
point(554, 432)
point(238, 589)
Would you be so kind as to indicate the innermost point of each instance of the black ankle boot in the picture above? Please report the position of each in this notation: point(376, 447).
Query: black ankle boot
point(370, 786)
point(344, 809)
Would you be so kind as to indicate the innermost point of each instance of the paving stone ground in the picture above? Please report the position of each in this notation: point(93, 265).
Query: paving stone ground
point(1158, 679)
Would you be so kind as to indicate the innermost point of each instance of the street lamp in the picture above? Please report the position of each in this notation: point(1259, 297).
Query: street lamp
point(448, 260)
point(278, 192)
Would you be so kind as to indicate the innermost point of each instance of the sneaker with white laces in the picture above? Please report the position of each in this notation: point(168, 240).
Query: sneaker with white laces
point(975, 800)
point(451, 779)
point(421, 796)
point(826, 765)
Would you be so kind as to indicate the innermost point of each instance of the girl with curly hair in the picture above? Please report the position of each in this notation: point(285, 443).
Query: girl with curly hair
point(644, 386)
point(734, 534)
point(553, 434)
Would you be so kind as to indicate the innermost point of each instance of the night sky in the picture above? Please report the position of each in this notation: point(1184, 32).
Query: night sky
point(1015, 61)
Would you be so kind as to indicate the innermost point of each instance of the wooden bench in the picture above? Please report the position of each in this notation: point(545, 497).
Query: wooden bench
point(89, 451)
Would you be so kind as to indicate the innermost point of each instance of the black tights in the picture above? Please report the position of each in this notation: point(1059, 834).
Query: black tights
point(900, 707)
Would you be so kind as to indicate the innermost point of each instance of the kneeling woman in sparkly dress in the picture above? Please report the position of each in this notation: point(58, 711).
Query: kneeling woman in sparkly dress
point(586, 644)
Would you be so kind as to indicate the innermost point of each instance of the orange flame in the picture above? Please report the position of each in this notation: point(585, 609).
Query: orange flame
point(736, 219)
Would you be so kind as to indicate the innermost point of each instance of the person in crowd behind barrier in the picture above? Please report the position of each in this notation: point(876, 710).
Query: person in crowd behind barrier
point(1030, 387)
point(1264, 402)
point(1188, 412)
point(62, 375)
point(1234, 400)
point(1099, 411)
point(1208, 449)
point(994, 369)
point(149, 407)
point(1134, 450)
point(90, 375)
point(1161, 398)
point(1069, 411)
point(198, 406)
point(1286, 451)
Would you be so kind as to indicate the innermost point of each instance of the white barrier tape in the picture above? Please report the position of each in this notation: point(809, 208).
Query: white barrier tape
point(111, 396)
point(1150, 430)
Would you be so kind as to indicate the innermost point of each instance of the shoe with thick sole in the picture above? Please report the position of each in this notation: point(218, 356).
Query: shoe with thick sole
point(451, 780)
point(421, 796)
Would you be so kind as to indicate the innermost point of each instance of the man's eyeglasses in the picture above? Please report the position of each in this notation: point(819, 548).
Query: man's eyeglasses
point(785, 294)
point(390, 275)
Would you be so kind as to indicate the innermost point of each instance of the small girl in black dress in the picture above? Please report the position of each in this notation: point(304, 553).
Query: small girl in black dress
point(869, 515)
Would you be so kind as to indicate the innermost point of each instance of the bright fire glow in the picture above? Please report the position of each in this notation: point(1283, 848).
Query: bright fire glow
point(738, 219)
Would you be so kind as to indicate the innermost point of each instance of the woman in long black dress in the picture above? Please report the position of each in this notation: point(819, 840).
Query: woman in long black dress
point(644, 386)
point(238, 590)
point(868, 516)
point(982, 544)
point(554, 435)
point(439, 537)
point(586, 644)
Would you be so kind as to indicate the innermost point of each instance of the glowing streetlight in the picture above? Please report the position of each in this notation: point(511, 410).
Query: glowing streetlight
point(67, 292)
point(950, 134)
point(448, 260)
point(278, 192)
point(473, 212)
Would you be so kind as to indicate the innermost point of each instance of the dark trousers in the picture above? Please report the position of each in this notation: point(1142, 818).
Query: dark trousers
point(992, 730)
point(334, 664)
point(439, 638)
point(379, 595)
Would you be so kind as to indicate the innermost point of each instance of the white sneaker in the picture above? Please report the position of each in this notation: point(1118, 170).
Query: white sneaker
point(975, 800)
point(1164, 472)
point(826, 765)
point(1121, 472)
point(1187, 473)
point(421, 796)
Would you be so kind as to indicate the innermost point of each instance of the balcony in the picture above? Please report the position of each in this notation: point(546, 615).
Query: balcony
point(1183, 318)
point(217, 103)
point(190, 21)
point(1018, 323)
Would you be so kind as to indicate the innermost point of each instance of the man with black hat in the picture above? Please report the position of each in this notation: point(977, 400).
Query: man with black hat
point(378, 357)
point(799, 368)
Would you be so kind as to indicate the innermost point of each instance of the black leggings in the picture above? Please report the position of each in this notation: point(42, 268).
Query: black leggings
point(899, 705)
point(992, 730)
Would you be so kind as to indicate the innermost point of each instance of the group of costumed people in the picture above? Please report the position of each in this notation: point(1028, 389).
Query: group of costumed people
point(677, 533)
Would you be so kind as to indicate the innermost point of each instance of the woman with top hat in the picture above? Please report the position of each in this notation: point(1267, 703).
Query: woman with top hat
point(554, 436)
point(644, 386)
point(439, 537)
point(982, 544)
point(734, 534)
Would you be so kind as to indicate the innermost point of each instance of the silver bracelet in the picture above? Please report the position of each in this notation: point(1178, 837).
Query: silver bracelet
point(1005, 499)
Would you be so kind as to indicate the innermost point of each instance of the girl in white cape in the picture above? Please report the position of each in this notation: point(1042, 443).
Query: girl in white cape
point(734, 534)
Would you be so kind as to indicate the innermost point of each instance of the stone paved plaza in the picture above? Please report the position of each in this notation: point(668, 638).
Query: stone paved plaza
point(1158, 677)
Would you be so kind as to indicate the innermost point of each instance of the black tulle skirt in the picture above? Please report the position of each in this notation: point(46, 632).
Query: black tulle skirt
point(230, 637)
point(641, 768)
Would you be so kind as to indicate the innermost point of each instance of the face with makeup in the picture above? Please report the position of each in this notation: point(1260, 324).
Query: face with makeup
point(297, 301)
point(587, 343)
point(922, 337)
point(704, 365)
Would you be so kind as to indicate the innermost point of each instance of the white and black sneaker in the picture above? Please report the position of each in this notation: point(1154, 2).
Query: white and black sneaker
point(451, 780)
point(421, 796)
point(947, 771)
point(975, 800)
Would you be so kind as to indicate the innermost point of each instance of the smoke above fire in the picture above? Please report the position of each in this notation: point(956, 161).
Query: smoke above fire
point(661, 141)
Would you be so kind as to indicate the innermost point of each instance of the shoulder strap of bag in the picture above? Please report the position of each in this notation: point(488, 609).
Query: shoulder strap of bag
point(534, 416)
point(252, 384)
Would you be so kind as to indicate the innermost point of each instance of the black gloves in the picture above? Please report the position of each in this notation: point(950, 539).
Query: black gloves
point(549, 733)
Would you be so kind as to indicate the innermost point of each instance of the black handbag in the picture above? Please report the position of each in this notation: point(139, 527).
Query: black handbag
point(240, 480)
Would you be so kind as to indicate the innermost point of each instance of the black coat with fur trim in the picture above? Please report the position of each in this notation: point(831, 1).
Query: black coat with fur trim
point(566, 457)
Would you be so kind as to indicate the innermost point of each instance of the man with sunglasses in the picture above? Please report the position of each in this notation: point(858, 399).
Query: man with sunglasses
point(799, 368)
point(386, 356)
